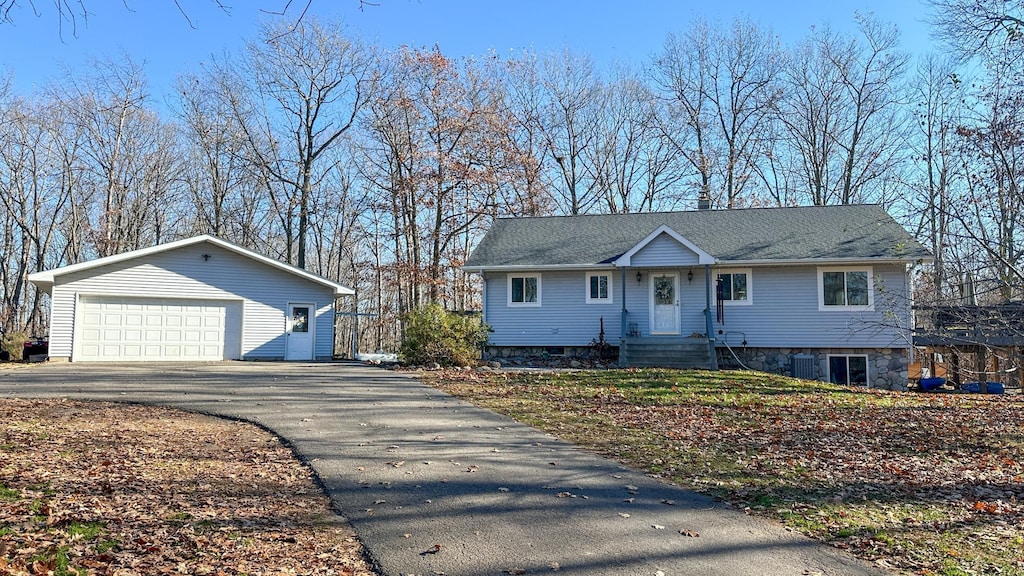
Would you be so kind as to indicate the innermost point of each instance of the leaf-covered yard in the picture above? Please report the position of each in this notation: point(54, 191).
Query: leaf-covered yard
point(920, 483)
point(89, 488)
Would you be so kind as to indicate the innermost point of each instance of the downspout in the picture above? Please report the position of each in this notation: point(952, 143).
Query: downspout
point(483, 297)
point(483, 311)
point(707, 317)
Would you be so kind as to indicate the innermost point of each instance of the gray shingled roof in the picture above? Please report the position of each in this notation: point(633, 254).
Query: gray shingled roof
point(748, 235)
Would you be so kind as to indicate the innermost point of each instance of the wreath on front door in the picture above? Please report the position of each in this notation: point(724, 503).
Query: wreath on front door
point(663, 290)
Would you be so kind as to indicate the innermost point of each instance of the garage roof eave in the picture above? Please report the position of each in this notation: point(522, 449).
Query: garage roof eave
point(42, 281)
point(46, 279)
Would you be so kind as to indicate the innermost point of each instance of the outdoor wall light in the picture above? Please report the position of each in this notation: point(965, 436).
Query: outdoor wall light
point(639, 276)
point(206, 256)
point(689, 276)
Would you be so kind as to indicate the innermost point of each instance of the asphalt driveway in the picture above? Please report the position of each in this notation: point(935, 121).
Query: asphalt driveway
point(435, 486)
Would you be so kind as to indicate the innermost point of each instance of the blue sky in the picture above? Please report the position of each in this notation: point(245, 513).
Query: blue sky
point(156, 34)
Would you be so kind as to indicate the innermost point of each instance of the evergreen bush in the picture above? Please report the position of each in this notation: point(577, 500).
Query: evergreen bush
point(433, 334)
point(13, 343)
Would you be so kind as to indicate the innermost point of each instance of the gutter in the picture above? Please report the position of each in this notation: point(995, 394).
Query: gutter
point(525, 268)
point(818, 261)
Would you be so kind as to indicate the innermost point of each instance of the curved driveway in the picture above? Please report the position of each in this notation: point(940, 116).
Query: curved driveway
point(435, 486)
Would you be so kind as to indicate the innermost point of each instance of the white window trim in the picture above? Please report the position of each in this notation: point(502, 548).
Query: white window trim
point(523, 304)
point(867, 367)
point(821, 289)
point(750, 286)
point(586, 288)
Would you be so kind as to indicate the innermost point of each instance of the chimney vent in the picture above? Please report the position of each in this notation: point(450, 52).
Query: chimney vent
point(704, 202)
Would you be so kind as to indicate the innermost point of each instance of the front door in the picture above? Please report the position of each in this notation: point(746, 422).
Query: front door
point(664, 303)
point(299, 337)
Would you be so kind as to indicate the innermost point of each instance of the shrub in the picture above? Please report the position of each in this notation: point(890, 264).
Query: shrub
point(432, 334)
point(13, 343)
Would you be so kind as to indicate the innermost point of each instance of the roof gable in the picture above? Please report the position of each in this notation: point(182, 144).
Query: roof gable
point(45, 279)
point(626, 259)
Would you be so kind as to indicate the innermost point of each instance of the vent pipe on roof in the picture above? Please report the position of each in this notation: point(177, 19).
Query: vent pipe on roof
point(704, 201)
point(970, 296)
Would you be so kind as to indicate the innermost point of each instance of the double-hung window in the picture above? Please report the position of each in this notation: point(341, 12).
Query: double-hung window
point(524, 289)
point(599, 288)
point(845, 289)
point(733, 286)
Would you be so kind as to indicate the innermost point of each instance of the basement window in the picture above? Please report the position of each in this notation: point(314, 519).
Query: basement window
point(848, 370)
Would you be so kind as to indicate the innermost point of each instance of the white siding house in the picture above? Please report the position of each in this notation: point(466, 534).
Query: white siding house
point(199, 299)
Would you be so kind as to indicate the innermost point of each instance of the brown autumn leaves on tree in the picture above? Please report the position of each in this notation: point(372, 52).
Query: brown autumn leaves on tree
point(381, 169)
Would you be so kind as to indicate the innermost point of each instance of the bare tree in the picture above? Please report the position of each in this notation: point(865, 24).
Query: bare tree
point(938, 95)
point(125, 151)
point(217, 174)
point(630, 161)
point(991, 211)
point(429, 124)
point(980, 27)
point(842, 113)
point(71, 12)
point(743, 93)
point(521, 152)
point(301, 91)
point(987, 209)
point(680, 72)
point(41, 214)
point(871, 73)
point(568, 123)
point(811, 114)
point(722, 85)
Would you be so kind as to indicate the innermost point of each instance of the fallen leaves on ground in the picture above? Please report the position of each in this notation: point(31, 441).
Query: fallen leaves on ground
point(93, 488)
point(924, 483)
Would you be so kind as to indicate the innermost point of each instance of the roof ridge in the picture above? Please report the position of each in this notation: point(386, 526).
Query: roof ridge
point(676, 212)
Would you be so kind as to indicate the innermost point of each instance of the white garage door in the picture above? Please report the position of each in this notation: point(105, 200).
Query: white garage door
point(147, 329)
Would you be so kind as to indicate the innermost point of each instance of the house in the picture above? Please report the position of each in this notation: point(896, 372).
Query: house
point(819, 292)
point(197, 299)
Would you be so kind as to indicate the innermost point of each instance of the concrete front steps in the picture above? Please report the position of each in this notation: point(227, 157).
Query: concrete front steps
point(665, 352)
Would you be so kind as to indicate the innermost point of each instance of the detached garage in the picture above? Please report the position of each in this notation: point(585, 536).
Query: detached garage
point(200, 299)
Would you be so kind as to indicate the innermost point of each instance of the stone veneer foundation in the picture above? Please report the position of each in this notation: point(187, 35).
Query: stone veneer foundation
point(887, 367)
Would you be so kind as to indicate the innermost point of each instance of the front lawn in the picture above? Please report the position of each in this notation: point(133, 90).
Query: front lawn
point(921, 483)
point(95, 488)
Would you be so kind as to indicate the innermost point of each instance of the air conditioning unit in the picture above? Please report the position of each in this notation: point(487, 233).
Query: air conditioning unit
point(802, 366)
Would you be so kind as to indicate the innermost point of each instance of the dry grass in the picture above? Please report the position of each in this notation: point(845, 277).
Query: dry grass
point(90, 488)
point(920, 483)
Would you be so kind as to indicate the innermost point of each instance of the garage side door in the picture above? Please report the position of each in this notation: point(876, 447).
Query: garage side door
point(150, 330)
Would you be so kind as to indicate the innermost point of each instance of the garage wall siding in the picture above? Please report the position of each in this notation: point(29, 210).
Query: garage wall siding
point(183, 273)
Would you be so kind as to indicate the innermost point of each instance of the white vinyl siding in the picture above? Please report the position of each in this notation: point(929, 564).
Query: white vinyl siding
point(263, 293)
